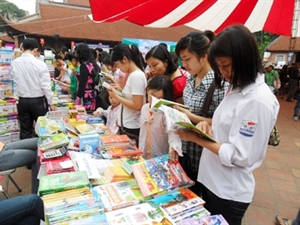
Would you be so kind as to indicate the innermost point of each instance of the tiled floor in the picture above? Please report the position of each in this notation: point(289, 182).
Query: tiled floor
point(277, 180)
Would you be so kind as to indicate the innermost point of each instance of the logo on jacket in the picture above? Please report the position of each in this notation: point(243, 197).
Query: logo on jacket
point(248, 128)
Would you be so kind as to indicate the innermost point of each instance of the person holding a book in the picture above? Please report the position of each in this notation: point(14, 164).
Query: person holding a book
point(87, 78)
point(111, 114)
point(154, 135)
point(200, 94)
point(241, 125)
point(130, 61)
point(26, 209)
point(18, 154)
point(160, 62)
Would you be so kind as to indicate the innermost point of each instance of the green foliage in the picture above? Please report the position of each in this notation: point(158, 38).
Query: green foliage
point(263, 39)
point(11, 9)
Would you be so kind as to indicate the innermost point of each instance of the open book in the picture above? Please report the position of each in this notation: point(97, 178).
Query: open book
point(156, 103)
point(176, 120)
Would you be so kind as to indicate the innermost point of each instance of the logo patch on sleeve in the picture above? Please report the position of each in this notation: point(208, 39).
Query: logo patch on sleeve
point(248, 128)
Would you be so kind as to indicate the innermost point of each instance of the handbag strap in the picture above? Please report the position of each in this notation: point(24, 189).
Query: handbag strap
point(122, 107)
point(208, 99)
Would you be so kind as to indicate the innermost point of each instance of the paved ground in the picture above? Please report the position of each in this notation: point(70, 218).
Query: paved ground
point(277, 180)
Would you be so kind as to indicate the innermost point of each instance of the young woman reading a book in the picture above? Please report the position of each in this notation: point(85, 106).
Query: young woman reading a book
point(160, 62)
point(193, 52)
point(130, 61)
point(241, 125)
point(153, 135)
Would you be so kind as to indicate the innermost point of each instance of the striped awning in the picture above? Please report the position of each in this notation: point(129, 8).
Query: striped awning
point(275, 16)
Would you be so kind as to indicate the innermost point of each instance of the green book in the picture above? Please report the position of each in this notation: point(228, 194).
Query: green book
point(63, 181)
point(53, 142)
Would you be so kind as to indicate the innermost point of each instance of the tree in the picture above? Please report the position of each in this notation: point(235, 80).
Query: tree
point(263, 39)
point(8, 8)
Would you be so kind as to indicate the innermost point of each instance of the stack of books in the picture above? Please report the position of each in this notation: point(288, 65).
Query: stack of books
point(116, 173)
point(113, 141)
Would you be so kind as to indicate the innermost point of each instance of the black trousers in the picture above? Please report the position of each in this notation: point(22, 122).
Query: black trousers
point(29, 109)
point(232, 211)
point(193, 175)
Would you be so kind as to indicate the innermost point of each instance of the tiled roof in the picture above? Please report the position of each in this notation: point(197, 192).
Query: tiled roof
point(71, 22)
point(6, 38)
point(79, 2)
point(282, 43)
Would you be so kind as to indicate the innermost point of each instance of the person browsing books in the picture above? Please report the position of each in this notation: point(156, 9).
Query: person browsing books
point(193, 52)
point(129, 60)
point(111, 114)
point(160, 62)
point(153, 133)
point(241, 125)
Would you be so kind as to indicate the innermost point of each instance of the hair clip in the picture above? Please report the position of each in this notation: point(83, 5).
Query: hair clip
point(129, 46)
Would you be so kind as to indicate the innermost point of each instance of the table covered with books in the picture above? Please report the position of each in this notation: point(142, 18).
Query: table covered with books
point(88, 175)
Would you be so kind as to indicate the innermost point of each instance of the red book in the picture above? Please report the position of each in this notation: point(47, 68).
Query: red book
point(124, 151)
point(55, 166)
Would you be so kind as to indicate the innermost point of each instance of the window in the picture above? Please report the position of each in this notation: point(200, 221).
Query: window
point(280, 57)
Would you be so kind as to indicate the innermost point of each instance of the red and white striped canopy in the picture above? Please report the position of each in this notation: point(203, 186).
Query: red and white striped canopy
point(275, 16)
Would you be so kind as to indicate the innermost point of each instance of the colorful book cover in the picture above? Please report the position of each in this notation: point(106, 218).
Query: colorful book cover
point(195, 212)
point(53, 142)
point(160, 174)
point(89, 143)
point(138, 214)
point(115, 140)
point(205, 220)
point(124, 151)
point(157, 103)
point(58, 165)
point(88, 128)
point(116, 173)
point(118, 195)
point(177, 202)
point(63, 181)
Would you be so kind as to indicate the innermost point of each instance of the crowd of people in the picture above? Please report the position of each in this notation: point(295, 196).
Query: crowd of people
point(221, 80)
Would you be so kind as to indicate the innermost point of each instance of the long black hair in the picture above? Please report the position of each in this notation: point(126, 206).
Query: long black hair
point(131, 52)
point(238, 43)
point(161, 52)
point(164, 83)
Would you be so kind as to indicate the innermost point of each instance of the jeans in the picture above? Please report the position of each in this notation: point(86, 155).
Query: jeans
point(297, 220)
point(297, 107)
point(18, 154)
point(22, 210)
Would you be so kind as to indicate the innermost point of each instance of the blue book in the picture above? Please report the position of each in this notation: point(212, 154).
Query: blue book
point(89, 143)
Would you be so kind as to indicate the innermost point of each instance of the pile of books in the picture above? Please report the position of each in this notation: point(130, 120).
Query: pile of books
point(95, 177)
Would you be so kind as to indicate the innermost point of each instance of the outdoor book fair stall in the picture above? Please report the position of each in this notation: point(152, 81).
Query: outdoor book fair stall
point(88, 175)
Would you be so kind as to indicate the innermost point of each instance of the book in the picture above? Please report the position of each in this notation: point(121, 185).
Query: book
point(63, 181)
point(88, 128)
point(204, 220)
point(138, 214)
point(157, 103)
point(177, 202)
point(124, 151)
point(46, 127)
point(160, 174)
point(59, 165)
point(53, 142)
point(118, 195)
point(89, 143)
point(116, 173)
point(83, 162)
point(115, 140)
point(176, 120)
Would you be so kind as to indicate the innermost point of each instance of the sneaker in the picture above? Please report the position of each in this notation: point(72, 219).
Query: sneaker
point(295, 118)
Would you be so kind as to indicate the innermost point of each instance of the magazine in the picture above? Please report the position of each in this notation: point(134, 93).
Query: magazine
point(157, 103)
point(160, 174)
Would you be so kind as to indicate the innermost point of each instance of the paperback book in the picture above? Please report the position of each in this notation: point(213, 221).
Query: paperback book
point(63, 181)
point(160, 174)
point(204, 220)
point(124, 151)
point(138, 214)
point(53, 142)
point(89, 143)
point(118, 195)
point(115, 141)
point(157, 103)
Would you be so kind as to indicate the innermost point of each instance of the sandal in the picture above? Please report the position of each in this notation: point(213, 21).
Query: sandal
point(282, 221)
